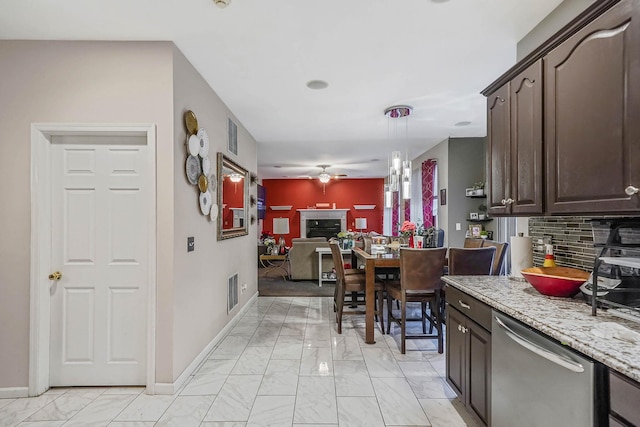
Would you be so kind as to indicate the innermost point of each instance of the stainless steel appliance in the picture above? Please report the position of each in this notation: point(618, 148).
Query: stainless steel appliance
point(538, 382)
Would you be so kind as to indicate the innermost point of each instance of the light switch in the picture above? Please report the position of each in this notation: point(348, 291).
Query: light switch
point(458, 226)
point(191, 245)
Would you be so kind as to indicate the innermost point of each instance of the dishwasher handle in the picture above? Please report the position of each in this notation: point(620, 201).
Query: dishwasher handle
point(552, 357)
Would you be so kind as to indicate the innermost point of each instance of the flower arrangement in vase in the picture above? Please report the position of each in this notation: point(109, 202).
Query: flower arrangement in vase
point(270, 243)
point(408, 229)
point(346, 239)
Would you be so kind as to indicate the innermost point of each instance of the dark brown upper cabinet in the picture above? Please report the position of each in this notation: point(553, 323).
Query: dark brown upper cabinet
point(592, 116)
point(514, 147)
point(566, 131)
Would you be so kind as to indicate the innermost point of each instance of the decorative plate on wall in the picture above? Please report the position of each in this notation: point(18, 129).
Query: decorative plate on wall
point(214, 212)
point(193, 170)
point(193, 144)
point(198, 165)
point(205, 203)
point(191, 122)
point(204, 142)
point(206, 166)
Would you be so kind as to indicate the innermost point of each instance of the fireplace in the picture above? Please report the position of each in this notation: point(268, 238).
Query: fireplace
point(319, 216)
point(323, 228)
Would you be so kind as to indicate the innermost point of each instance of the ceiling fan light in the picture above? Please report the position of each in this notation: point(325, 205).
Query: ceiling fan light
point(324, 177)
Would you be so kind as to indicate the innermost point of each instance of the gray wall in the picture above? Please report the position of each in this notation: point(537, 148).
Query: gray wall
point(559, 17)
point(118, 82)
point(466, 166)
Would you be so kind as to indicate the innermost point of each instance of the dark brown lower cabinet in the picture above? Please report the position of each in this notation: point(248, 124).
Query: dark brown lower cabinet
point(624, 396)
point(469, 363)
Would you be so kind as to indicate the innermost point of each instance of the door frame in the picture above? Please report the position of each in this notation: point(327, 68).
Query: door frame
point(40, 264)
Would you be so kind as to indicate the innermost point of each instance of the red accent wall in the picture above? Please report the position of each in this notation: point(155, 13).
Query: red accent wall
point(233, 196)
point(305, 193)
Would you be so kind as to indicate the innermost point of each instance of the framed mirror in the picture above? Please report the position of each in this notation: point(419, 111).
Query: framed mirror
point(233, 196)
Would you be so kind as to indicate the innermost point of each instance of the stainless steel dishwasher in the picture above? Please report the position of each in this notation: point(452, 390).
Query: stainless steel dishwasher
point(537, 382)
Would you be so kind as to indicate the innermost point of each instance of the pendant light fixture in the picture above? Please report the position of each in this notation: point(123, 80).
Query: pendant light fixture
point(399, 171)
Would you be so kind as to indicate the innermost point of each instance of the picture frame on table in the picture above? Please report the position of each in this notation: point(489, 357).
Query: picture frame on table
point(475, 229)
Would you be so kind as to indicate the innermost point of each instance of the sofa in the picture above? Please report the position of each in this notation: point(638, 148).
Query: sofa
point(303, 258)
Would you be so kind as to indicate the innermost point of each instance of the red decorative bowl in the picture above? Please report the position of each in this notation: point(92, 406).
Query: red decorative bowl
point(556, 281)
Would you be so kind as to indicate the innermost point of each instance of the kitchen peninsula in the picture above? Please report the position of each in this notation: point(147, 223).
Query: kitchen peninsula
point(564, 319)
point(540, 367)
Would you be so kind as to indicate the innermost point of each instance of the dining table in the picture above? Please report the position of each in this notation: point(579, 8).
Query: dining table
point(371, 262)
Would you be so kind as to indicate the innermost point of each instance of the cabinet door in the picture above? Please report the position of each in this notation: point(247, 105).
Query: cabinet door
point(498, 141)
point(526, 141)
point(455, 351)
point(479, 371)
point(592, 110)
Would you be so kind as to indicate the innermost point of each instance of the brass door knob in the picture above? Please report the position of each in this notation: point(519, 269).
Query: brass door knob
point(55, 276)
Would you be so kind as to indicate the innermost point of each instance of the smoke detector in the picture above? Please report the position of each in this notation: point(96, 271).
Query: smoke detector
point(222, 3)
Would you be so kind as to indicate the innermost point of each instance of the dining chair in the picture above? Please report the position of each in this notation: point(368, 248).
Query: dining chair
point(420, 281)
point(468, 262)
point(471, 261)
point(498, 259)
point(352, 285)
point(470, 242)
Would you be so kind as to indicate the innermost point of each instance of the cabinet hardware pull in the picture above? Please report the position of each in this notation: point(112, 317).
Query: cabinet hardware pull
point(510, 201)
point(631, 190)
point(540, 351)
point(504, 202)
point(460, 327)
point(464, 305)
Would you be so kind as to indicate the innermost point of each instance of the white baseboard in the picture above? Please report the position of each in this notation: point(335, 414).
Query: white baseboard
point(171, 388)
point(14, 392)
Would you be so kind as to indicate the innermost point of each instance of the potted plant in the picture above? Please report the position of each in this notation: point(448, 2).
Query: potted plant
point(484, 234)
point(478, 188)
point(482, 209)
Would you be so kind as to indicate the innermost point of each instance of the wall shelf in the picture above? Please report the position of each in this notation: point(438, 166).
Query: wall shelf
point(484, 196)
point(364, 207)
point(280, 208)
point(480, 220)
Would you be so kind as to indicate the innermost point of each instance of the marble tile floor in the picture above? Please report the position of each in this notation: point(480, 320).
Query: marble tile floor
point(282, 364)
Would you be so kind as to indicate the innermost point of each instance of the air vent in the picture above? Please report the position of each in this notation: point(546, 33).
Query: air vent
point(232, 292)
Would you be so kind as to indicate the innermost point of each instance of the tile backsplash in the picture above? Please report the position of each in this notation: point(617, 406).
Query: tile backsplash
point(571, 237)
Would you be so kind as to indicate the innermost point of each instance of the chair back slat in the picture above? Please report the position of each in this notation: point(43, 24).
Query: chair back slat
point(421, 269)
point(471, 261)
point(470, 242)
point(498, 259)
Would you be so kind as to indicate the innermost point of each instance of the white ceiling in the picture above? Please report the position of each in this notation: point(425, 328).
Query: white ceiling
point(434, 55)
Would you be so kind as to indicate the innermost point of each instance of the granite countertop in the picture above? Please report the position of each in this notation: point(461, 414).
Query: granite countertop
point(567, 320)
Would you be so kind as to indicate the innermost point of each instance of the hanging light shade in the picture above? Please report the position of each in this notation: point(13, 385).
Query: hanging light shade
point(388, 196)
point(235, 177)
point(406, 188)
point(396, 160)
point(323, 176)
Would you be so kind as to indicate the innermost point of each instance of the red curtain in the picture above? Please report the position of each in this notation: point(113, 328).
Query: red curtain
point(395, 211)
point(428, 192)
point(407, 209)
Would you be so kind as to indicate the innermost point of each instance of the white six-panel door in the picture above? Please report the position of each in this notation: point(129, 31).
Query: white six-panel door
point(100, 246)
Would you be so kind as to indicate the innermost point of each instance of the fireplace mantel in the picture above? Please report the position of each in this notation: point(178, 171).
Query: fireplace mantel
point(306, 214)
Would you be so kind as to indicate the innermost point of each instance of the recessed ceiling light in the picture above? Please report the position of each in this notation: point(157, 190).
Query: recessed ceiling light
point(222, 3)
point(317, 84)
point(464, 123)
point(439, 1)
point(277, 166)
